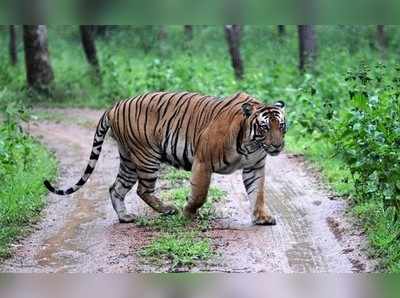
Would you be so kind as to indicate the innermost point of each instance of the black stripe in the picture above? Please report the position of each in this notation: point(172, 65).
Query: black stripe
point(94, 156)
point(89, 170)
point(159, 107)
point(126, 186)
point(145, 123)
point(177, 130)
point(148, 179)
point(239, 139)
point(250, 181)
point(81, 182)
point(167, 130)
point(70, 190)
point(98, 143)
point(124, 158)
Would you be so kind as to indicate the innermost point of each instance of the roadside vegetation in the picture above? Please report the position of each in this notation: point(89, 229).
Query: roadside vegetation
point(343, 113)
point(24, 163)
point(357, 148)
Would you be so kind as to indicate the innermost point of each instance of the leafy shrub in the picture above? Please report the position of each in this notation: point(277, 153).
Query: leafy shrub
point(24, 164)
point(368, 135)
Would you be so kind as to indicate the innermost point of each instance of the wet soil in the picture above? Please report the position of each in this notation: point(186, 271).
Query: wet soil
point(80, 233)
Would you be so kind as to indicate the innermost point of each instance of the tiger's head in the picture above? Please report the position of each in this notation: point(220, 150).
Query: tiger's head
point(267, 126)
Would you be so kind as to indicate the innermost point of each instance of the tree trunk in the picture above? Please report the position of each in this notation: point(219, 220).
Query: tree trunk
point(101, 30)
point(162, 33)
point(146, 37)
point(307, 46)
point(281, 30)
point(89, 47)
point(232, 34)
point(13, 46)
point(38, 68)
point(382, 38)
point(188, 32)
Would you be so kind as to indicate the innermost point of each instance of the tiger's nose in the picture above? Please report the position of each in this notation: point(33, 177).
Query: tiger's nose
point(280, 145)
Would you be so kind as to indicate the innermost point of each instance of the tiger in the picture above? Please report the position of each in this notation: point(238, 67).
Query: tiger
point(198, 133)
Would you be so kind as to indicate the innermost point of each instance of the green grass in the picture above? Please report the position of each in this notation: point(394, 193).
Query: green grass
point(216, 194)
point(322, 154)
point(174, 175)
point(22, 195)
point(177, 195)
point(383, 232)
point(380, 224)
point(180, 250)
point(318, 103)
point(180, 241)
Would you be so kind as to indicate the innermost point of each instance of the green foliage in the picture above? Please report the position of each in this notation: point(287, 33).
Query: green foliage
point(383, 232)
point(368, 135)
point(357, 147)
point(180, 249)
point(24, 164)
point(343, 117)
point(216, 194)
point(178, 196)
point(174, 175)
point(181, 241)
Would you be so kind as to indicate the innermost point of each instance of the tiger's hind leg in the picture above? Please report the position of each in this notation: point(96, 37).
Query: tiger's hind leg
point(124, 182)
point(146, 188)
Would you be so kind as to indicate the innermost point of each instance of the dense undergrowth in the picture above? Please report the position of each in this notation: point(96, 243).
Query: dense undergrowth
point(343, 116)
point(24, 163)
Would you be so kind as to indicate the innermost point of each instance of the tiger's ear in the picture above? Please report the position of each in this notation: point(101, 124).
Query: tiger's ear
point(280, 104)
point(247, 109)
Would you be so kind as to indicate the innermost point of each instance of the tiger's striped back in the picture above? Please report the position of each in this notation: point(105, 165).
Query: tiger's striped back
point(167, 126)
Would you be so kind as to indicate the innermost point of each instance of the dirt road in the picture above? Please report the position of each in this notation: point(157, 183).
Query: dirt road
point(80, 233)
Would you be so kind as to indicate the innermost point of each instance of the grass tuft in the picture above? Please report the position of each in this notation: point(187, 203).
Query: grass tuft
point(180, 241)
point(179, 249)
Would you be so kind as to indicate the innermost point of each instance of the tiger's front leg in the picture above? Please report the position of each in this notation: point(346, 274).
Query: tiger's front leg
point(254, 179)
point(200, 182)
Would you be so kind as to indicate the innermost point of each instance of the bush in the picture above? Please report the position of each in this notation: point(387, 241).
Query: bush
point(368, 136)
point(24, 164)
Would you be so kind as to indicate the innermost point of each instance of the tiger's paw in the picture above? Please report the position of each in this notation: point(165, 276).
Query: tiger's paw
point(189, 214)
point(127, 218)
point(169, 210)
point(265, 220)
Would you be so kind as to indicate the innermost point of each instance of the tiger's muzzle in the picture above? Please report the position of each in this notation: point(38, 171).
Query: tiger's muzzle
point(272, 149)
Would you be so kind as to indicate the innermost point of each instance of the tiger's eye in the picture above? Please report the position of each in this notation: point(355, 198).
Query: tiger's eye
point(265, 126)
point(283, 126)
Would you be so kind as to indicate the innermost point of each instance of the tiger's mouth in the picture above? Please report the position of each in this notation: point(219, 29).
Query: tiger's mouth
point(274, 153)
point(272, 150)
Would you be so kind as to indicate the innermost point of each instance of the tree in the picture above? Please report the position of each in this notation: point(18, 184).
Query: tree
point(89, 47)
point(13, 45)
point(232, 34)
point(281, 30)
point(162, 33)
point(188, 32)
point(100, 30)
point(147, 37)
point(307, 46)
point(381, 36)
point(38, 68)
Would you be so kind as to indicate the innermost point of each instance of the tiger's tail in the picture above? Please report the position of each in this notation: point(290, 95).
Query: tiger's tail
point(101, 131)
